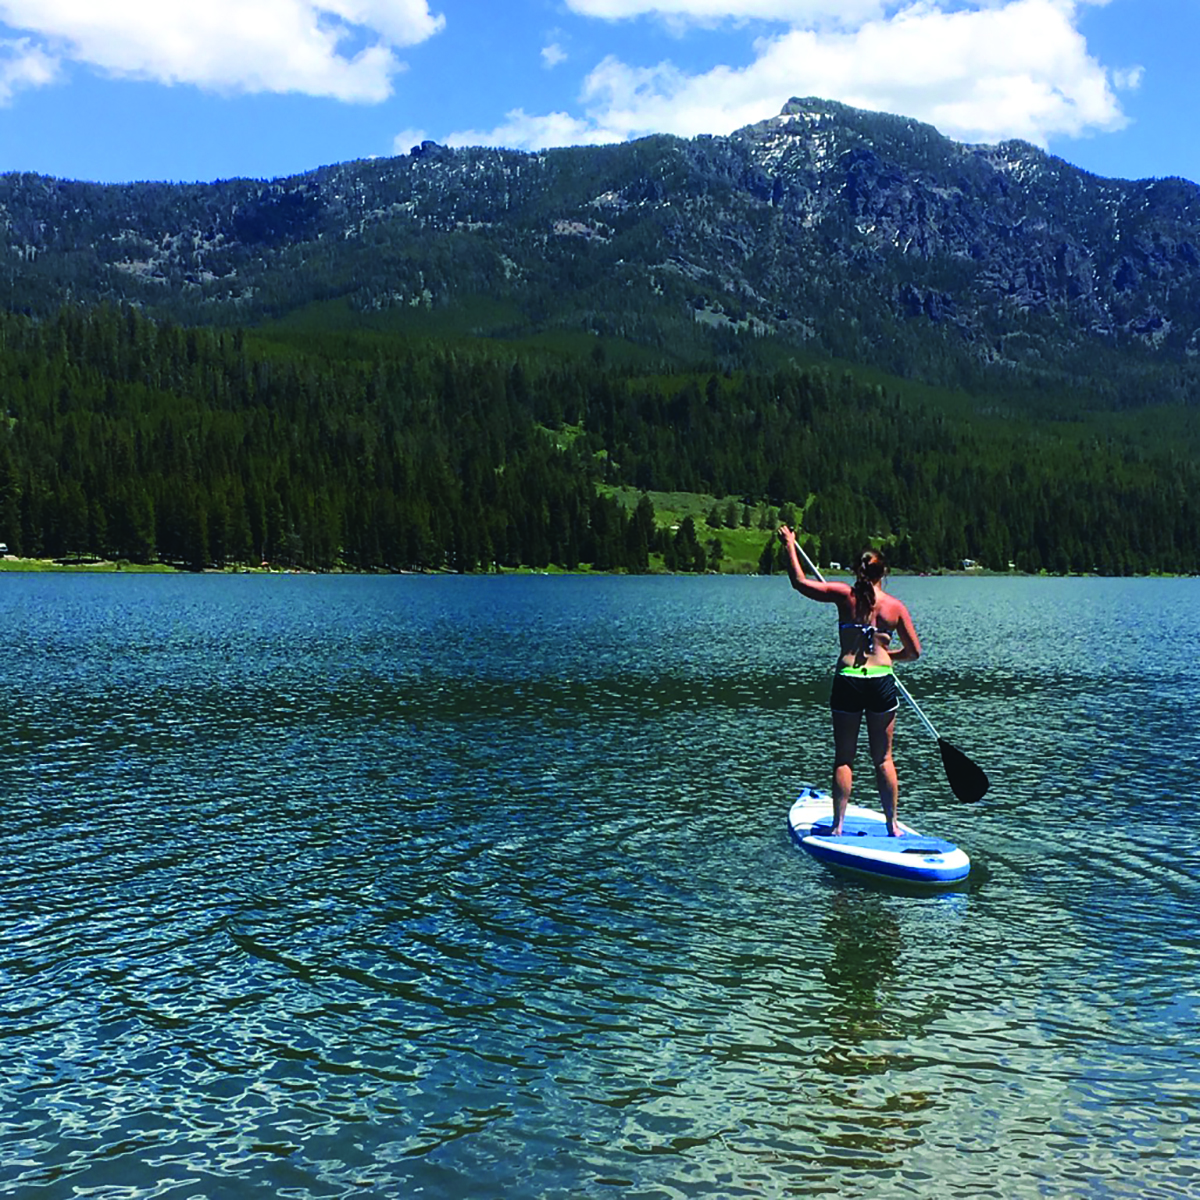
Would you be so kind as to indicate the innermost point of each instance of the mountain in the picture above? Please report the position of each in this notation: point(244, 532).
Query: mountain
point(477, 359)
point(840, 232)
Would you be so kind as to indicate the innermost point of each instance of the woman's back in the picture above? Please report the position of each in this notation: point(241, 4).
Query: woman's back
point(866, 621)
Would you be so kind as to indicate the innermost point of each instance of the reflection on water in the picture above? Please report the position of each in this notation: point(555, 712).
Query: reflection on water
point(320, 887)
point(867, 947)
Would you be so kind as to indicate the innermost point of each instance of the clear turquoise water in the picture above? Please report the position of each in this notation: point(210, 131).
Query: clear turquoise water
point(323, 887)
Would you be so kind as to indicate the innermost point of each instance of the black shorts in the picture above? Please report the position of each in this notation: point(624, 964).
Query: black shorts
point(854, 691)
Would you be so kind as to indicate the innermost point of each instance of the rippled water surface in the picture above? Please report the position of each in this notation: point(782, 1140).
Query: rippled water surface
point(322, 887)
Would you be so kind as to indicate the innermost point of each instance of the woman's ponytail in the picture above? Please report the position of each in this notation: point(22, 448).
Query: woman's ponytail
point(868, 571)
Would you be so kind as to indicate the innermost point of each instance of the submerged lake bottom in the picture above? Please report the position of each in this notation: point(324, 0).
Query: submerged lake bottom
point(470, 887)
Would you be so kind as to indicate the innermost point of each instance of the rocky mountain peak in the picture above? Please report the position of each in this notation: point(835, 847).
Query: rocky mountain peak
point(861, 234)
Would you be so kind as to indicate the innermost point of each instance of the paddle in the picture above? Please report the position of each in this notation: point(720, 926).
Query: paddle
point(967, 780)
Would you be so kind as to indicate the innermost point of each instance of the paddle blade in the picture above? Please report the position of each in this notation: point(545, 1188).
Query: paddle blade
point(967, 780)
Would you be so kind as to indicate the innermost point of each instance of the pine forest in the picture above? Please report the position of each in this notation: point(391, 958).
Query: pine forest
point(139, 441)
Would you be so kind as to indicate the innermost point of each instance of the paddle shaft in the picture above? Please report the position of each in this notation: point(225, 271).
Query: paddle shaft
point(808, 562)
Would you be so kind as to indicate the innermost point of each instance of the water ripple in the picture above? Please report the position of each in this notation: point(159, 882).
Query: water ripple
point(365, 887)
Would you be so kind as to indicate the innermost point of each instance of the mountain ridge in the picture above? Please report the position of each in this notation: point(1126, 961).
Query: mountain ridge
point(860, 235)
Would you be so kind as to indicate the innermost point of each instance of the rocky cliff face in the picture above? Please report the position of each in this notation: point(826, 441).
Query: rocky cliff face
point(858, 234)
point(989, 235)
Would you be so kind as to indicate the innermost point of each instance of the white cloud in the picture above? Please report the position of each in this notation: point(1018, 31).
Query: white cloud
point(24, 65)
point(794, 12)
point(1129, 79)
point(406, 139)
point(522, 131)
point(234, 45)
point(1019, 69)
point(553, 54)
point(979, 70)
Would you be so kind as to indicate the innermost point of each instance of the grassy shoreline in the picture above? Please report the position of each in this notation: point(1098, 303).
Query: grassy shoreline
point(97, 566)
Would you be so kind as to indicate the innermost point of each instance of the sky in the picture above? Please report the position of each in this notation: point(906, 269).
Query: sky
point(198, 90)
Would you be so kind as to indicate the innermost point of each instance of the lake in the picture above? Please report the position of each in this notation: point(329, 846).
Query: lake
point(481, 887)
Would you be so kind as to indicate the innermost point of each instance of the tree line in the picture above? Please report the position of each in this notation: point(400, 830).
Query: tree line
point(128, 438)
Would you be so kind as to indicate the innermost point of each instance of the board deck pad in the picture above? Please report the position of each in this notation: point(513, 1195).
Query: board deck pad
point(853, 826)
point(865, 849)
point(869, 833)
point(904, 845)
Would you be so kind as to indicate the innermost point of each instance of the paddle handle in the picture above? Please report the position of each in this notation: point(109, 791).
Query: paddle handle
point(808, 562)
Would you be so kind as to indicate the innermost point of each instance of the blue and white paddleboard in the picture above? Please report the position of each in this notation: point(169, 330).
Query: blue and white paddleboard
point(863, 848)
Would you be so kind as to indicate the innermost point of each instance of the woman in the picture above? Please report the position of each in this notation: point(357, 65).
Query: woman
point(863, 680)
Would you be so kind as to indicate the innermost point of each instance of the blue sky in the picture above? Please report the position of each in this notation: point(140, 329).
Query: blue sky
point(116, 90)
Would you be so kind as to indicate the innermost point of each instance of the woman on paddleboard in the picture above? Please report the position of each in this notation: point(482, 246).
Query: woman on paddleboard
point(863, 682)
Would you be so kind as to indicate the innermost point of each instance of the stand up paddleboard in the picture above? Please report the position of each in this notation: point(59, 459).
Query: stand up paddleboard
point(864, 849)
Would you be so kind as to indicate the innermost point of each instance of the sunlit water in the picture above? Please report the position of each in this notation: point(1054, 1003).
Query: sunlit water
point(384, 887)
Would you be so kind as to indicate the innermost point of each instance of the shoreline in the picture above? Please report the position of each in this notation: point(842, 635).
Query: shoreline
point(47, 566)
